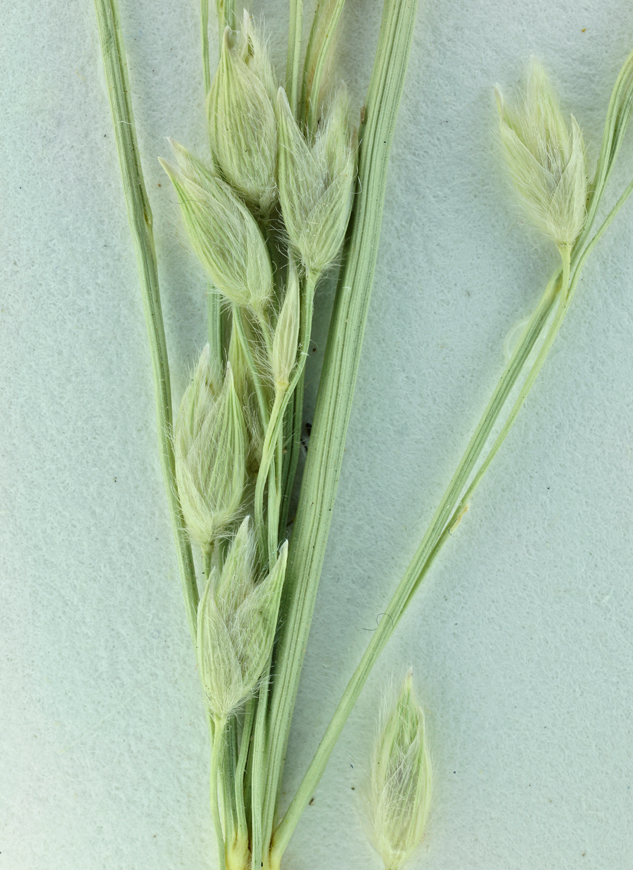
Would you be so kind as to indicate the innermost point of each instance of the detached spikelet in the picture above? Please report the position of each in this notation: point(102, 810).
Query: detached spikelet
point(210, 446)
point(546, 159)
point(316, 185)
point(242, 123)
point(223, 232)
point(400, 786)
point(286, 338)
point(237, 620)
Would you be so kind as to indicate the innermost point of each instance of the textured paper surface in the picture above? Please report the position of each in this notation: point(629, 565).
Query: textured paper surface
point(521, 639)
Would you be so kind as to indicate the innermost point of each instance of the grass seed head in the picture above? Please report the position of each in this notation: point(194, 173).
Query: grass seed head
point(316, 184)
point(237, 621)
point(242, 124)
point(400, 784)
point(547, 160)
point(210, 447)
point(223, 232)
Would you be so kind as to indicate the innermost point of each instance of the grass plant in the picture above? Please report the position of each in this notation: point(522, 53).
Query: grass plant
point(289, 191)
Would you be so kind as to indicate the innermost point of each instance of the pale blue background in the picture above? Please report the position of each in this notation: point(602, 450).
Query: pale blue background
point(521, 640)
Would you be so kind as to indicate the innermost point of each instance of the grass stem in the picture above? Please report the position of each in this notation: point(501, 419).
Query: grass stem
point(140, 220)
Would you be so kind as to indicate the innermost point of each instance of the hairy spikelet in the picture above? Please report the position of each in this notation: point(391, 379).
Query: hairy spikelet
point(210, 447)
point(316, 184)
point(241, 116)
point(237, 620)
point(223, 232)
point(400, 785)
point(546, 159)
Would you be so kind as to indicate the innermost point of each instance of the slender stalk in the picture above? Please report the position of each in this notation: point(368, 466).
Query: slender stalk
point(228, 762)
point(270, 471)
point(264, 327)
point(274, 432)
point(225, 10)
point(279, 461)
point(578, 260)
point(293, 426)
point(307, 548)
point(326, 18)
point(216, 755)
point(262, 402)
point(240, 767)
point(564, 304)
point(295, 31)
point(216, 317)
point(615, 126)
point(561, 310)
point(259, 769)
point(204, 33)
point(263, 801)
point(215, 327)
point(140, 219)
point(272, 518)
point(207, 560)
